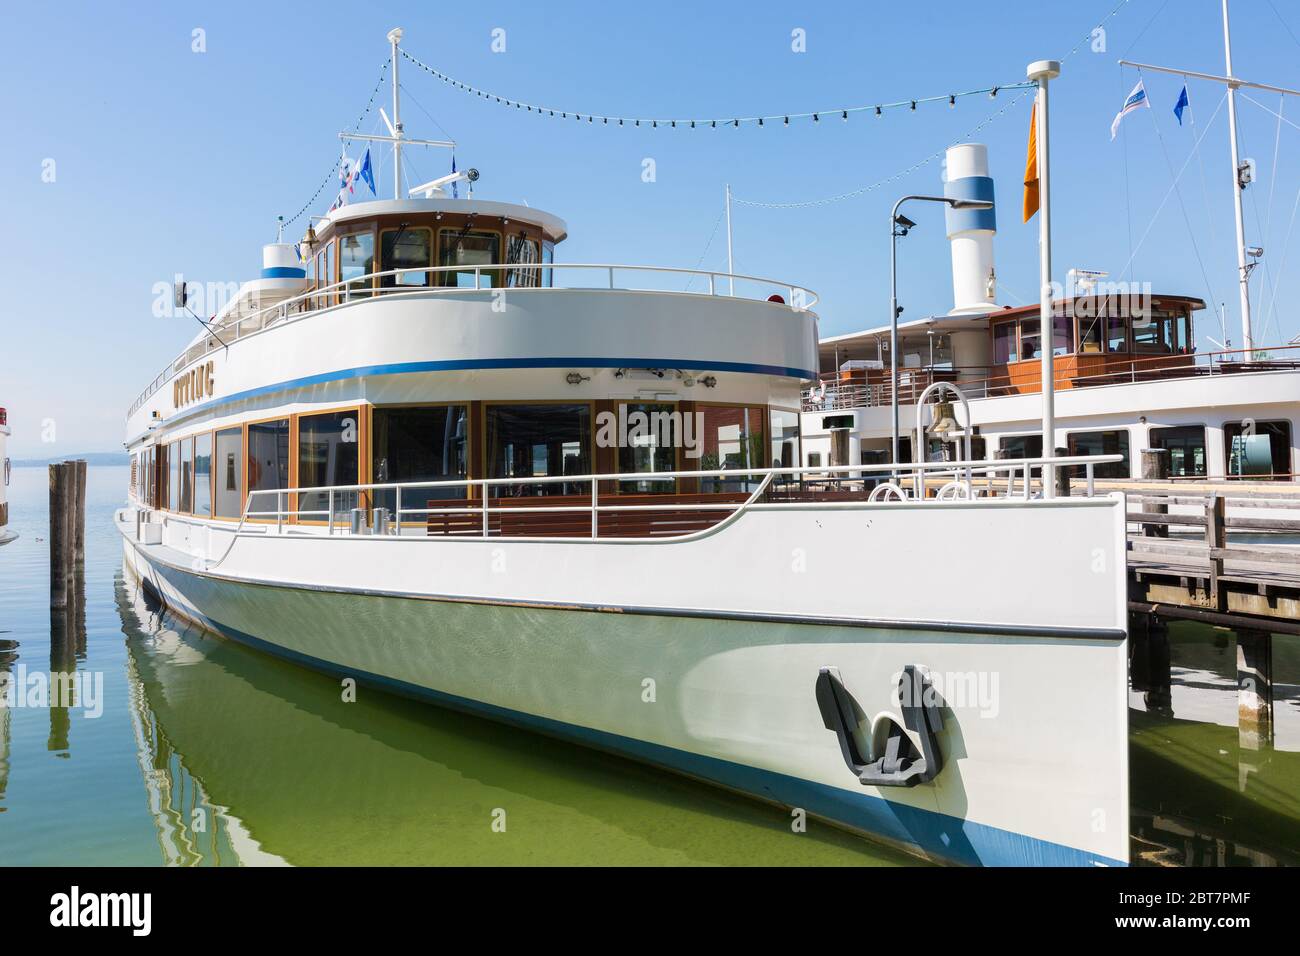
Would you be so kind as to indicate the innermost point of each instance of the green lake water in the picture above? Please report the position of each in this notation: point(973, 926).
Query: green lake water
point(208, 753)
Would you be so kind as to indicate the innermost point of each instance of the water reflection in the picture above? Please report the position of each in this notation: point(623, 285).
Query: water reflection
point(8, 655)
point(1214, 772)
point(270, 761)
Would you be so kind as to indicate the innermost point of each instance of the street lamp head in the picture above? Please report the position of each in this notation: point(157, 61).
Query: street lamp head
point(970, 204)
point(903, 223)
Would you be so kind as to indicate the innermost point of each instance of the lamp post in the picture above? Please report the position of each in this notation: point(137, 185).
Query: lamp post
point(899, 226)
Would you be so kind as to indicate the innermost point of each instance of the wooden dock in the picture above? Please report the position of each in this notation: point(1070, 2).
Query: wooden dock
point(1221, 555)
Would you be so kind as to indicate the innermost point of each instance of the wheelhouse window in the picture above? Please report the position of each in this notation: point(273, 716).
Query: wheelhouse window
point(538, 441)
point(228, 473)
point(1006, 336)
point(173, 476)
point(1186, 447)
point(187, 475)
point(419, 444)
point(328, 447)
point(548, 258)
point(1259, 450)
point(356, 263)
point(522, 250)
point(1091, 333)
point(1117, 334)
point(325, 273)
point(732, 440)
point(268, 463)
point(1114, 442)
point(406, 248)
point(1031, 342)
point(654, 433)
point(1156, 334)
point(466, 250)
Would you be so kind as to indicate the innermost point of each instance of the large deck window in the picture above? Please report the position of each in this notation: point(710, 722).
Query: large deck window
point(228, 473)
point(1186, 447)
point(406, 248)
point(328, 447)
point(548, 258)
point(732, 440)
point(356, 263)
point(1113, 442)
point(466, 250)
point(187, 476)
point(654, 434)
point(268, 463)
point(203, 475)
point(785, 439)
point(419, 444)
point(173, 466)
point(1155, 335)
point(1258, 450)
point(535, 441)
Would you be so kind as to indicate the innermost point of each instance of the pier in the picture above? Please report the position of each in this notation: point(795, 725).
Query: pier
point(1182, 565)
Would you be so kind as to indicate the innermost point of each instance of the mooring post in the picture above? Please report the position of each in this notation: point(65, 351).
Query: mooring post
point(1062, 475)
point(61, 486)
point(1254, 689)
point(1215, 538)
point(1158, 696)
point(1139, 656)
point(78, 502)
point(1155, 467)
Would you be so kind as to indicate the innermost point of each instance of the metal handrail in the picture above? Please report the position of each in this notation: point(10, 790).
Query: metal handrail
point(838, 392)
point(347, 291)
point(985, 469)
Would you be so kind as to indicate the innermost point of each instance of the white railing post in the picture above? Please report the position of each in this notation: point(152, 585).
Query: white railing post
point(487, 491)
point(397, 506)
point(279, 512)
point(1088, 471)
point(712, 285)
point(477, 273)
point(595, 513)
point(611, 277)
point(331, 527)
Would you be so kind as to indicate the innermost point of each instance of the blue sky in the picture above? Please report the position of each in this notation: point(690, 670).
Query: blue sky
point(168, 160)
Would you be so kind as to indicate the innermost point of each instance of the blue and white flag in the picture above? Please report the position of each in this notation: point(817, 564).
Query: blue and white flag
point(1136, 100)
point(455, 193)
point(1181, 105)
point(366, 173)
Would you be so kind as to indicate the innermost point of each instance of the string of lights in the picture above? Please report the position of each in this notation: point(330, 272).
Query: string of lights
point(774, 119)
point(356, 127)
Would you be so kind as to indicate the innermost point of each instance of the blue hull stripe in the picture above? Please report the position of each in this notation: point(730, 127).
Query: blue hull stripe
point(453, 365)
point(937, 834)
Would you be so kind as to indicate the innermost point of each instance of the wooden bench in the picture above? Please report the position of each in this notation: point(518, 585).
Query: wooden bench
point(464, 516)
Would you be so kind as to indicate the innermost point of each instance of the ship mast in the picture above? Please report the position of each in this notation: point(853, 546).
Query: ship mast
point(395, 134)
point(1239, 177)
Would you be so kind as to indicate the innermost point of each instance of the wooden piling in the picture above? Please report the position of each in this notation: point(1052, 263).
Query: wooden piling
point(1254, 689)
point(1155, 467)
point(1062, 473)
point(67, 527)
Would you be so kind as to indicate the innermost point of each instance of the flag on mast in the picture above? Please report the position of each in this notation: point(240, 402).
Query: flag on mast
point(455, 193)
point(1181, 105)
point(1031, 167)
point(1136, 100)
point(366, 173)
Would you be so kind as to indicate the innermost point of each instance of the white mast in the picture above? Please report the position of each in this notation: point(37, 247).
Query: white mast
point(1243, 271)
point(394, 38)
point(1041, 72)
point(1233, 83)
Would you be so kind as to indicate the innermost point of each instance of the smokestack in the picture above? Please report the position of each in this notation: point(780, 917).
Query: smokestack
point(971, 231)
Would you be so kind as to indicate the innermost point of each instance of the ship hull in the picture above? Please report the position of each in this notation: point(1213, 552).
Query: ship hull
point(1035, 767)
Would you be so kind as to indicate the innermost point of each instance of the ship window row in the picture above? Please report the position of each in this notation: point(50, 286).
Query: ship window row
point(1160, 333)
point(351, 258)
point(210, 474)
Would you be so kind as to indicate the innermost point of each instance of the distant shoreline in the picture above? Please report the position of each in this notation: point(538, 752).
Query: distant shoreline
point(94, 458)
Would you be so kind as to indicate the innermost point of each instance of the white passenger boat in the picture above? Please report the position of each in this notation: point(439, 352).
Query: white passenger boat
point(436, 461)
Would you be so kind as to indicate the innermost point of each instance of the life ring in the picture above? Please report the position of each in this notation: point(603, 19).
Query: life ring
point(887, 492)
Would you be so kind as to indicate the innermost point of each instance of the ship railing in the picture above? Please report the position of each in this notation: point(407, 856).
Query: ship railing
point(868, 388)
point(768, 489)
point(490, 278)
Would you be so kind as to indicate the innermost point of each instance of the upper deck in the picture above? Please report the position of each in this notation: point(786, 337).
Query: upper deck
point(442, 284)
point(1097, 341)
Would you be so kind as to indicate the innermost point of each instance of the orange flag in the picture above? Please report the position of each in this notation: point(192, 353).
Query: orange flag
point(1031, 167)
